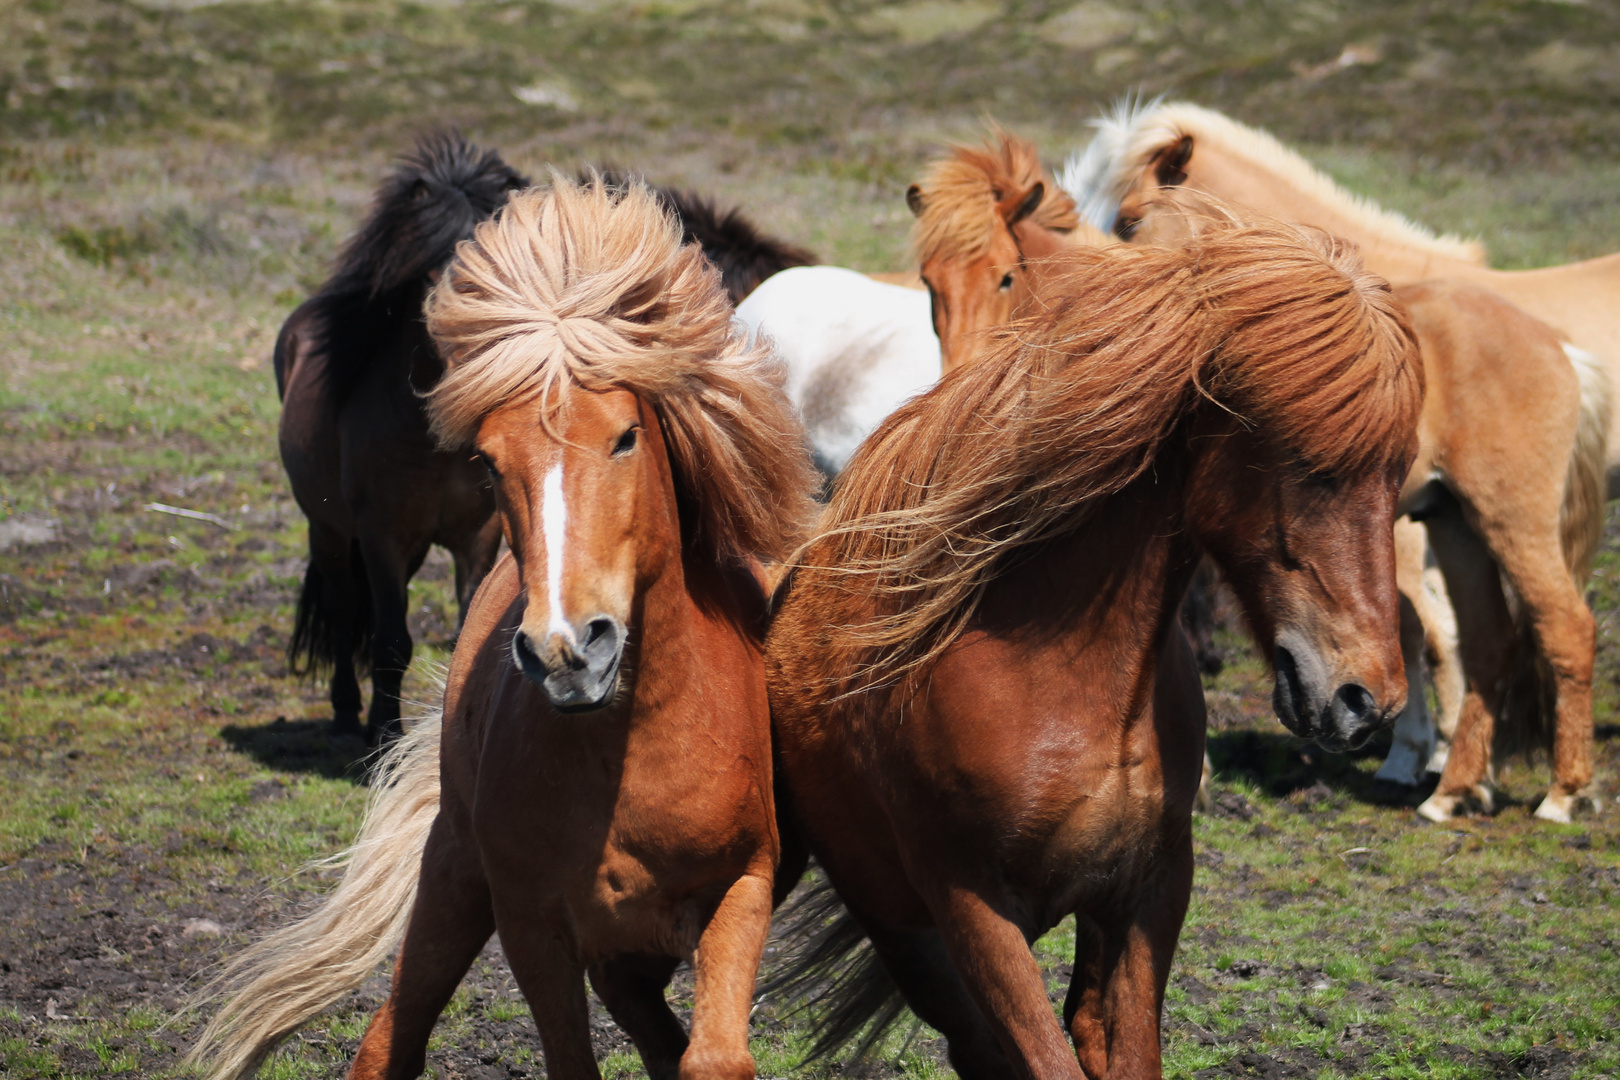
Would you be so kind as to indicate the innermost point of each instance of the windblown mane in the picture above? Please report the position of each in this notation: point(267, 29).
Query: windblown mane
point(1278, 324)
point(744, 255)
point(960, 193)
point(431, 201)
point(591, 285)
point(1127, 141)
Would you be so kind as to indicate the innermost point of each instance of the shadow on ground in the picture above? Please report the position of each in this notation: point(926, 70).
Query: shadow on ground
point(302, 746)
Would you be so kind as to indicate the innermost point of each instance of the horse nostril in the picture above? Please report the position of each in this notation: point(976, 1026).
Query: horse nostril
point(596, 629)
point(1357, 701)
point(527, 658)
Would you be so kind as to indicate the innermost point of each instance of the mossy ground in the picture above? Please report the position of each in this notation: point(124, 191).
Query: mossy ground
point(174, 177)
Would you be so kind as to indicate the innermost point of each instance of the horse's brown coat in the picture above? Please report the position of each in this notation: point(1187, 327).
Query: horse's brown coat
point(985, 719)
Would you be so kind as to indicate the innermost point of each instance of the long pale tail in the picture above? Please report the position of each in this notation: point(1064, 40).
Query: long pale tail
point(1585, 490)
point(290, 976)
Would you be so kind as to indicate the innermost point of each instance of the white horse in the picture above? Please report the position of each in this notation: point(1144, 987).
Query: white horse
point(855, 349)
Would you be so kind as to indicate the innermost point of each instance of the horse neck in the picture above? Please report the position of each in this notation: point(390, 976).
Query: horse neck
point(1114, 584)
point(683, 602)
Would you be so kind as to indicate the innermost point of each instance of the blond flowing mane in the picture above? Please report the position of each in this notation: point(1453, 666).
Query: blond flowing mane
point(1279, 325)
point(960, 193)
point(1128, 140)
point(588, 285)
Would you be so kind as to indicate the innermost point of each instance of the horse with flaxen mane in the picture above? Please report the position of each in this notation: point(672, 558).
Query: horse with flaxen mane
point(986, 217)
point(1530, 507)
point(974, 257)
point(351, 364)
point(985, 716)
point(598, 786)
point(1141, 149)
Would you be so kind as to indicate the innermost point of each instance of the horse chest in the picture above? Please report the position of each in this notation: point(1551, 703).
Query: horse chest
point(632, 841)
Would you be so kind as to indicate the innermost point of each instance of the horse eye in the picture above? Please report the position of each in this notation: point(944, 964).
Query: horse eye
point(1006, 283)
point(626, 443)
point(484, 459)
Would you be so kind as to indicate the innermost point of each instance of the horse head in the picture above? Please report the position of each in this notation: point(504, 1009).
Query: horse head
point(983, 214)
point(1163, 167)
point(1297, 463)
point(587, 504)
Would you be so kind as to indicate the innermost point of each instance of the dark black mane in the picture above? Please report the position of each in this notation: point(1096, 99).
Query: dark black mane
point(441, 189)
point(743, 254)
point(435, 197)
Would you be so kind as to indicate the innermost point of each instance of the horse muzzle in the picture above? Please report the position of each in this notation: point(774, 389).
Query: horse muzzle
point(1311, 702)
point(578, 671)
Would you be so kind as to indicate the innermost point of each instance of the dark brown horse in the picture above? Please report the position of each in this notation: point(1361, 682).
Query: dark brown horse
point(351, 364)
point(986, 718)
point(598, 789)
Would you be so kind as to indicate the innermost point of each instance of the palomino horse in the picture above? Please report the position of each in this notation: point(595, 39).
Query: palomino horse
point(351, 364)
point(1138, 154)
point(600, 791)
point(1140, 150)
point(986, 718)
point(1529, 510)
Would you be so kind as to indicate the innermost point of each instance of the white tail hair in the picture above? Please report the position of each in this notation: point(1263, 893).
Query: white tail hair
point(279, 983)
point(1586, 488)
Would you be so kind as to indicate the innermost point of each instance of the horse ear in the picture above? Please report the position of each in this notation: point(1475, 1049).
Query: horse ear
point(914, 199)
point(1170, 164)
point(1031, 203)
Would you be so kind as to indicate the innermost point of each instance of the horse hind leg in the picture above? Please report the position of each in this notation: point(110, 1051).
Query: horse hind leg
point(388, 576)
point(328, 629)
point(450, 922)
point(632, 988)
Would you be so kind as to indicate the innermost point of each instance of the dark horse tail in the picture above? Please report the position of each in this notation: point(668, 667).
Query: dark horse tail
point(432, 201)
point(310, 650)
point(830, 969)
point(743, 254)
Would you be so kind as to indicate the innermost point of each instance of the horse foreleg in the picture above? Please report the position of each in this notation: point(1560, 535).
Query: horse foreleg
point(1117, 992)
point(553, 981)
point(991, 955)
point(632, 988)
point(1567, 636)
point(725, 963)
point(1413, 742)
point(450, 922)
point(1485, 642)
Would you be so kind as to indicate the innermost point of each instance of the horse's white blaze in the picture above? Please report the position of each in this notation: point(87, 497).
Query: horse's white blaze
point(554, 524)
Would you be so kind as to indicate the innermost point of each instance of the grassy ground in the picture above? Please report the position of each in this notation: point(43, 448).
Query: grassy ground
point(174, 176)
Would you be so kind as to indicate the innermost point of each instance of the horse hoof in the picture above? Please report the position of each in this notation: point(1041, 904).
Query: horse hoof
point(1484, 797)
point(1439, 808)
point(1560, 806)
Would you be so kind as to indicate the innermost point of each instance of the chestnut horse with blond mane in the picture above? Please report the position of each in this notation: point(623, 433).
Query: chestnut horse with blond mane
point(985, 716)
point(1531, 507)
point(598, 789)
